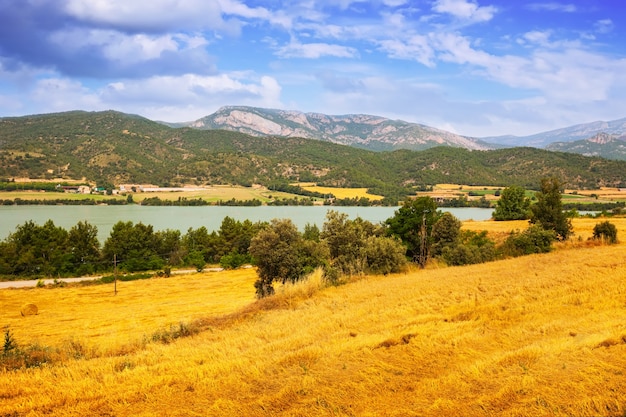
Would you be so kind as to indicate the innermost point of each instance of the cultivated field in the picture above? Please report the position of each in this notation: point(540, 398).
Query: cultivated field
point(542, 335)
point(211, 194)
point(341, 192)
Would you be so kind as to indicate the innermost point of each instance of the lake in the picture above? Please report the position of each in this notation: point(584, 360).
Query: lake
point(182, 218)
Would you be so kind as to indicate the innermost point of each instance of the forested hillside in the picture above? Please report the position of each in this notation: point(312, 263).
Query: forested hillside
point(110, 148)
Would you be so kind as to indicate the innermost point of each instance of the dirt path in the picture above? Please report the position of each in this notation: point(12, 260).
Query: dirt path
point(33, 282)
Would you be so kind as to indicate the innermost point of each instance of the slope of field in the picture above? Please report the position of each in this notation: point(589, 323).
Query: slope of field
point(542, 335)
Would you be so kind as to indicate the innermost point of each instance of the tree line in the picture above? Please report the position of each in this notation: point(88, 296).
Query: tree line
point(417, 233)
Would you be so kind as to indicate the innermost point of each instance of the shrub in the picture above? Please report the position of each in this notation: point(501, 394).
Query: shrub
point(473, 248)
point(234, 260)
point(385, 255)
point(605, 231)
point(535, 239)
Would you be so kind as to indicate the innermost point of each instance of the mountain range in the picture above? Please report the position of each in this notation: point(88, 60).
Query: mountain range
point(382, 134)
point(109, 148)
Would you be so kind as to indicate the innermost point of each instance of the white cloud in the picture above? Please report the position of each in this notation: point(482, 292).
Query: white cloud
point(191, 96)
point(552, 7)
point(604, 26)
point(417, 47)
point(154, 14)
point(570, 74)
point(61, 94)
point(115, 45)
point(465, 10)
point(296, 49)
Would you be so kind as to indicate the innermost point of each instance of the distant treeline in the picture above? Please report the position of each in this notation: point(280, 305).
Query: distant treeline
point(28, 186)
point(285, 187)
point(63, 201)
point(615, 208)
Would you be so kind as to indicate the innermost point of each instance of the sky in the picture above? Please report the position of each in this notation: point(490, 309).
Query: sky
point(474, 67)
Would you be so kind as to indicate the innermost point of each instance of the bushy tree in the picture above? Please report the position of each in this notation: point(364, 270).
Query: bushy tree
point(84, 247)
point(384, 255)
point(39, 250)
point(168, 246)
point(199, 242)
point(133, 246)
point(276, 250)
point(413, 224)
point(346, 240)
point(445, 233)
point(548, 212)
point(535, 239)
point(512, 205)
point(234, 236)
point(605, 231)
point(470, 248)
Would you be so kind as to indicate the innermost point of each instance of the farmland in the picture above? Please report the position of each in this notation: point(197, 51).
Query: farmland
point(536, 335)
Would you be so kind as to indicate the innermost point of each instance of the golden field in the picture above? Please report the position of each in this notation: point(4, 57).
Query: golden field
point(341, 192)
point(211, 194)
point(543, 335)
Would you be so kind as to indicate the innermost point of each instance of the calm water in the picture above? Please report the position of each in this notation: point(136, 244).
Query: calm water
point(182, 218)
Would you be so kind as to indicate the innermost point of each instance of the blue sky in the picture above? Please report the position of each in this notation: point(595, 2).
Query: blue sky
point(474, 67)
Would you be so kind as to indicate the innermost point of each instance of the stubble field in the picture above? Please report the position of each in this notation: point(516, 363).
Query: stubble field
point(531, 336)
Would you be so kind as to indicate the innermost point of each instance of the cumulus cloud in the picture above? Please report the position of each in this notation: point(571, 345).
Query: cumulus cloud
point(571, 74)
point(159, 15)
point(465, 10)
point(196, 96)
point(416, 47)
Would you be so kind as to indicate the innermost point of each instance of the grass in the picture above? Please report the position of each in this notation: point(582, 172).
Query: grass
point(342, 192)
point(542, 335)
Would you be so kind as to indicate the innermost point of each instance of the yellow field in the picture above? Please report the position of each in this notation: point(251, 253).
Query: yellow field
point(211, 194)
point(542, 335)
point(342, 192)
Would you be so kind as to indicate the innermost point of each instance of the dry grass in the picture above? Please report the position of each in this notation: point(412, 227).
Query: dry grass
point(342, 192)
point(106, 322)
point(212, 194)
point(541, 335)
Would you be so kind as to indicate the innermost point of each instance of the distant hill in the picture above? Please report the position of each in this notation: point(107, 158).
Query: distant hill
point(602, 144)
point(567, 134)
point(111, 148)
point(358, 130)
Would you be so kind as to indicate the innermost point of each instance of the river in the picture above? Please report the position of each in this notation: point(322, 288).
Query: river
point(183, 218)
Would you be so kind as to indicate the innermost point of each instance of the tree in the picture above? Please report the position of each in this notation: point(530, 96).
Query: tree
point(445, 233)
point(199, 242)
point(276, 250)
point(548, 210)
point(512, 205)
point(384, 255)
point(346, 240)
point(413, 224)
point(39, 250)
point(135, 247)
point(168, 246)
point(84, 247)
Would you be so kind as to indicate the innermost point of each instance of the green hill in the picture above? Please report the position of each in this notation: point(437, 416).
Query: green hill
point(112, 148)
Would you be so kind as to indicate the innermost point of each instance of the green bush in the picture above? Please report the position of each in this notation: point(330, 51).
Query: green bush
point(384, 255)
point(234, 260)
point(535, 239)
point(472, 248)
point(605, 231)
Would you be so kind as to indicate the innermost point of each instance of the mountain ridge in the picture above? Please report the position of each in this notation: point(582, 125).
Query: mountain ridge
point(110, 148)
point(566, 134)
point(359, 130)
point(382, 134)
